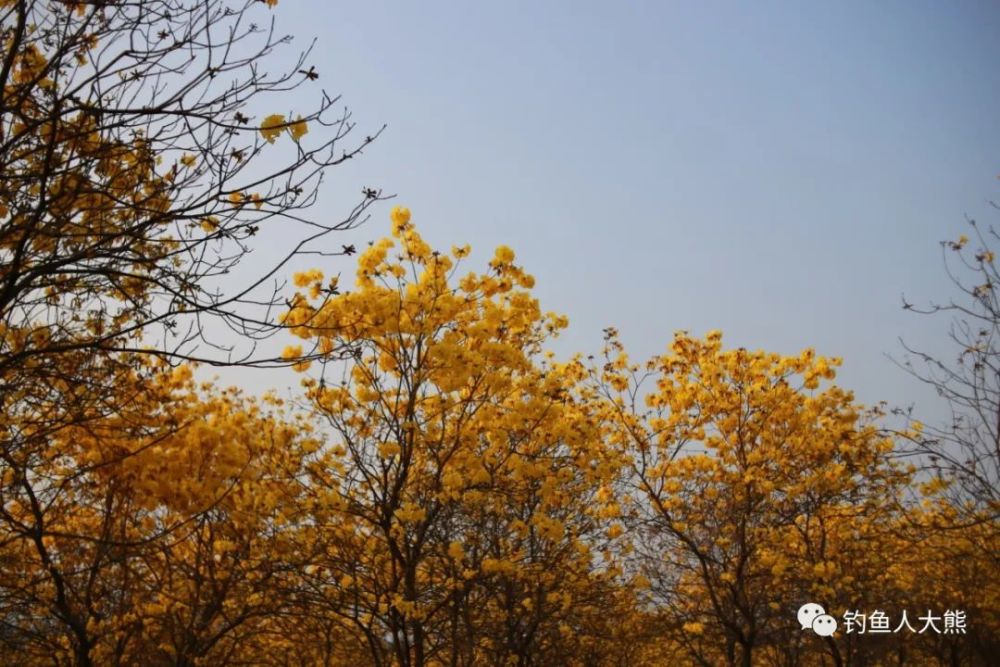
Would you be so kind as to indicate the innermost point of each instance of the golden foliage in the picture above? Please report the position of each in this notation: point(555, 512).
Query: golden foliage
point(454, 495)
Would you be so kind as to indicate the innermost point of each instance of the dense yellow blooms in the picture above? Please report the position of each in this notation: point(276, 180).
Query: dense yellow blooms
point(443, 482)
point(194, 482)
point(453, 424)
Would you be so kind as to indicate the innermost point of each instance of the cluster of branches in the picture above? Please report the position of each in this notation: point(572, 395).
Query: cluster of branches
point(98, 243)
point(966, 449)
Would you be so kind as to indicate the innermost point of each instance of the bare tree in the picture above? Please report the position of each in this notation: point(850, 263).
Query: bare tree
point(965, 451)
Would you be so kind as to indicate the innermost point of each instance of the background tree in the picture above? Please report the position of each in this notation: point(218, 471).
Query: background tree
point(756, 492)
point(174, 543)
point(942, 562)
point(964, 453)
point(956, 534)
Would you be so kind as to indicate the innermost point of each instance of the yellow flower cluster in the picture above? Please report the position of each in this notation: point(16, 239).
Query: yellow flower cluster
point(272, 126)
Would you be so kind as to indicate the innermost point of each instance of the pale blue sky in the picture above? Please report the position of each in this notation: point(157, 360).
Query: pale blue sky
point(781, 171)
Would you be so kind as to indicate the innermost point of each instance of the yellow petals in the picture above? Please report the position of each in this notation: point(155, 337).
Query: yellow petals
point(411, 513)
point(504, 254)
point(272, 126)
point(306, 278)
point(388, 450)
point(694, 628)
point(400, 217)
point(298, 129)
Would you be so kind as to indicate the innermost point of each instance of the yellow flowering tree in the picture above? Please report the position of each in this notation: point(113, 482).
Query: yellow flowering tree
point(165, 533)
point(469, 470)
point(448, 492)
point(756, 491)
point(130, 144)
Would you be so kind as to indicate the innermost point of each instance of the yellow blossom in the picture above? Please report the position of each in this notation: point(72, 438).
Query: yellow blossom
point(298, 129)
point(400, 217)
point(271, 128)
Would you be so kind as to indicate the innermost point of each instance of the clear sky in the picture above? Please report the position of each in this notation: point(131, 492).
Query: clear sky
point(780, 171)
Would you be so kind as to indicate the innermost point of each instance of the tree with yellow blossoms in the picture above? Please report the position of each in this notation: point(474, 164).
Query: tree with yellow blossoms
point(469, 471)
point(756, 490)
point(130, 139)
point(169, 538)
point(448, 492)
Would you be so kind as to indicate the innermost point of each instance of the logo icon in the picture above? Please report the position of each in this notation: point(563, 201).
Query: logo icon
point(813, 616)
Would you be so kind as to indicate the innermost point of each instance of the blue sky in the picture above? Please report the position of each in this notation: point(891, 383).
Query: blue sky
point(781, 171)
